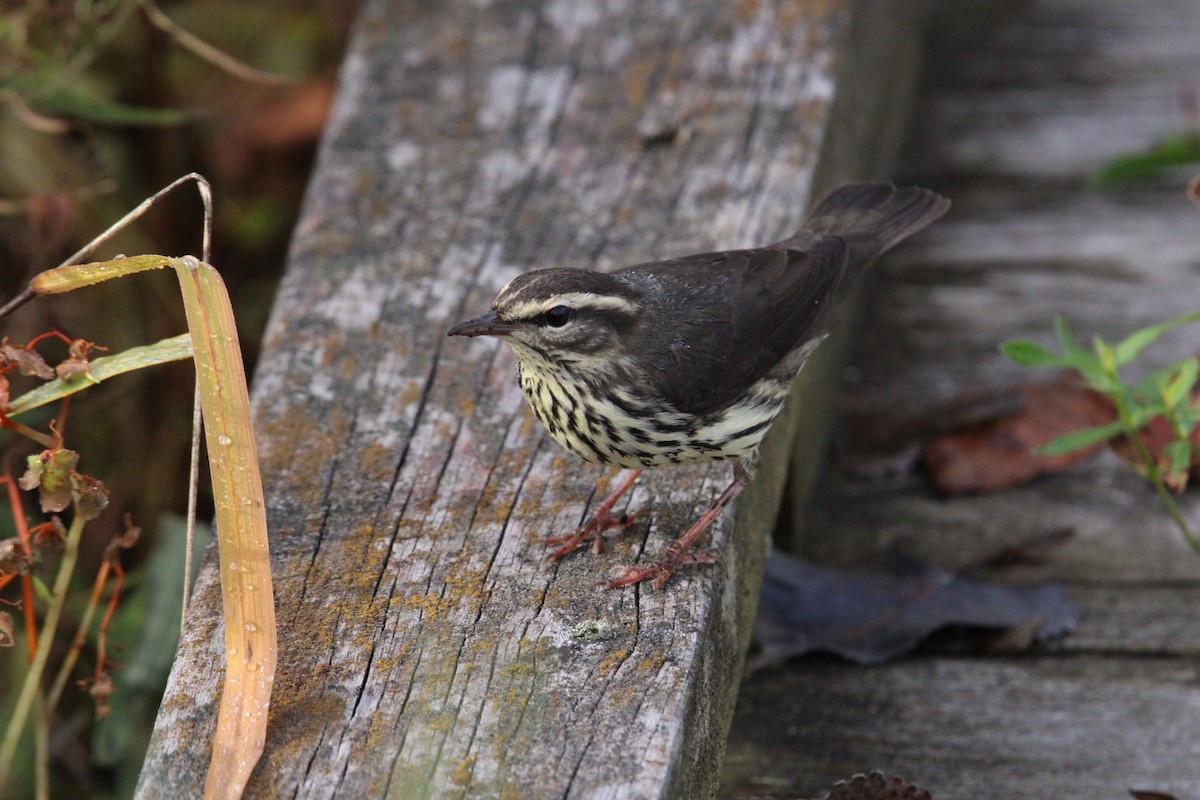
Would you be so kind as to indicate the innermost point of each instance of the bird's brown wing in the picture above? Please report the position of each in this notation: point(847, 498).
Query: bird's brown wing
point(716, 323)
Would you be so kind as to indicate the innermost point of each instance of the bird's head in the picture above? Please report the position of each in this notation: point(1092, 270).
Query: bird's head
point(561, 319)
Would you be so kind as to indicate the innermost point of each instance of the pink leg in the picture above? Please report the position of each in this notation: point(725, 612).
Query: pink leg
point(600, 521)
point(679, 553)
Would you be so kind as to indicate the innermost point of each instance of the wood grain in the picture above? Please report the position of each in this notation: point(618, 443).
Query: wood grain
point(426, 648)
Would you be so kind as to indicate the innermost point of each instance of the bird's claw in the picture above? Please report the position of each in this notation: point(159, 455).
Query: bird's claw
point(660, 572)
point(593, 529)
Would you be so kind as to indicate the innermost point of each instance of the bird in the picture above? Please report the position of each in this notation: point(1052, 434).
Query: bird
point(688, 360)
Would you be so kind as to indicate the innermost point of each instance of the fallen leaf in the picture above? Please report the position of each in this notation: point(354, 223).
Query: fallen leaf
point(882, 610)
point(877, 786)
point(874, 445)
point(999, 453)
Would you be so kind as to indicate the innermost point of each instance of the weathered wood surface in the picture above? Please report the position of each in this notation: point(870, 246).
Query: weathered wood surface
point(1064, 728)
point(426, 647)
point(1012, 122)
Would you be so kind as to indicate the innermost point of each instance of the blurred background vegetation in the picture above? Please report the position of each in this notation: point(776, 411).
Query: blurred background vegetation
point(102, 103)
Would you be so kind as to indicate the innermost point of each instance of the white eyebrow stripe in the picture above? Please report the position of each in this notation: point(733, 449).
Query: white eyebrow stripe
point(532, 308)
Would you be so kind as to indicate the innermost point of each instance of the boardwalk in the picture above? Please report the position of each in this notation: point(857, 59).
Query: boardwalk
point(426, 647)
point(1013, 120)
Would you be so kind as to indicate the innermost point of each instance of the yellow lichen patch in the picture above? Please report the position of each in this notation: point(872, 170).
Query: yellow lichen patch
point(624, 694)
point(377, 461)
point(430, 605)
point(611, 662)
point(651, 664)
point(637, 79)
point(462, 773)
point(518, 670)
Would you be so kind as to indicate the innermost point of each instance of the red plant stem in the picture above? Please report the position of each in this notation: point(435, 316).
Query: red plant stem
point(102, 632)
point(50, 334)
point(18, 512)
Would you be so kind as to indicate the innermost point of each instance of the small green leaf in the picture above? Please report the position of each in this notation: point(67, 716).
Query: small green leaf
point(1179, 457)
point(1080, 439)
point(1187, 417)
point(1031, 354)
point(1154, 383)
point(41, 590)
point(1106, 355)
point(1098, 379)
point(1170, 151)
point(1142, 415)
point(1136, 342)
point(1179, 388)
point(1069, 346)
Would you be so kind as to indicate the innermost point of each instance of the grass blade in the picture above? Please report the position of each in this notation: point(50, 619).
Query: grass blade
point(1081, 439)
point(1139, 340)
point(249, 611)
point(176, 348)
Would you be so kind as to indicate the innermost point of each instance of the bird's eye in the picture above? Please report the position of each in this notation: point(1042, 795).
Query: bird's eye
point(558, 316)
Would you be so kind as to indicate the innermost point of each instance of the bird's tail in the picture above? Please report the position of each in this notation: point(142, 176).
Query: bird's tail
point(870, 217)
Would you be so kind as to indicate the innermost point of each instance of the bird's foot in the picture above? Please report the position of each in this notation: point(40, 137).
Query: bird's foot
point(601, 520)
point(660, 572)
point(592, 530)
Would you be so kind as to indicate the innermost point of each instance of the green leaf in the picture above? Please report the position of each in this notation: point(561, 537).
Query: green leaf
point(1187, 417)
point(1154, 383)
point(1179, 457)
point(1171, 151)
point(1077, 356)
point(77, 105)
point(41, 590)
point(1100, 380)
point(1179, 388)
point(1080, 439)
point(1134, 343)
point(1031, 354)
point(1065, 339)
point(1142, 415)
point(1106, 355)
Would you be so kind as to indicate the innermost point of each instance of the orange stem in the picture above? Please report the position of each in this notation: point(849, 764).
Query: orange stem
point(18, 512)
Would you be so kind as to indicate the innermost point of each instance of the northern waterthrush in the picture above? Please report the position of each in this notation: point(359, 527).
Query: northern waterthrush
point(688, 360)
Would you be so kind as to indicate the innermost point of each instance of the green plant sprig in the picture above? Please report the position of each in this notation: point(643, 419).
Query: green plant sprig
point(1165, 392)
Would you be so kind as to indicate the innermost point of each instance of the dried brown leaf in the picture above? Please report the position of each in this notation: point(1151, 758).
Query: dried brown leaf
point(25, 360)
point(999, 453)
point(877, 786)
point(90, 495)
point(76, 362)
point(12, 556)
point(7, 631)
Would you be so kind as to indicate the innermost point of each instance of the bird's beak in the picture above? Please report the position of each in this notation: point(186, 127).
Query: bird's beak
point(489, 324)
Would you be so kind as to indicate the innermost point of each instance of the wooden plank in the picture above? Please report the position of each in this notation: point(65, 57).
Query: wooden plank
point(966, 729)
point(426, 647)
point(1119, 533)
point(1143, 620)
point(1011, 124)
